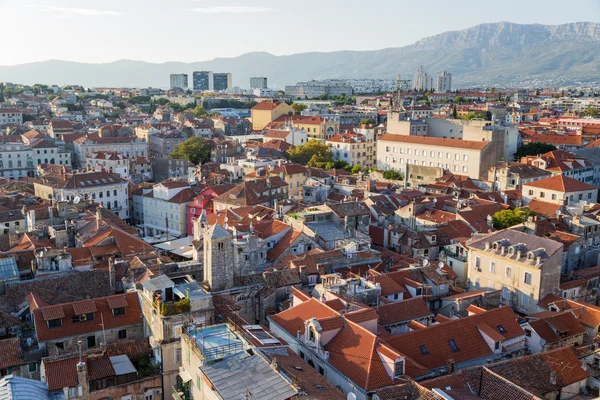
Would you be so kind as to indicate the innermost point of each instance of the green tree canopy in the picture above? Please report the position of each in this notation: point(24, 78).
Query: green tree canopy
point(507, 218)
point(298, 108)
point(356, 169)
point(200, 112)
point(591, 112)
point(533, 149)
point(367, 121)
point(394, 175)
point(313, 153)
point(194, 149)
point(473, 115)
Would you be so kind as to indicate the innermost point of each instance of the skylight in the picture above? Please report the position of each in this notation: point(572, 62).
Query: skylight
point(501, 329)
point(453, 345)
point(424, 350)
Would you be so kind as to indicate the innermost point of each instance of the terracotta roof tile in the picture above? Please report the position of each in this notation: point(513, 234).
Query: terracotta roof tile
point(560, 183)
point(70, 328)
point(84, 307)
point(10, 352)
point(401, 311)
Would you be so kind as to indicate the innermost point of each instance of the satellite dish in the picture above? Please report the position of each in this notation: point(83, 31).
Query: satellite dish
point(558, 212)
point(440, 264)
point(76, 200)
point(425, 262)
point(351, 396)
point(542, 342)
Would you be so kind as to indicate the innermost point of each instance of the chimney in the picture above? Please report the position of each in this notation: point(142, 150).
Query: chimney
point(83, 389)
point(111, 272)
point(450, 365)
point(98, 217)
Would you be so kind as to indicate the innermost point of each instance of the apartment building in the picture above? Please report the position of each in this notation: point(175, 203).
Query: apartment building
point(560, 190)
point(11, 116)
point(111, 161)
point(164, 209)
point(105, 188)
point(179, 81)
point(462, 157)
point(315, 127)
point(165, 305)
point(561, 162)
point(524, 267)
point(15, 158)
point(128, 146)
point(354, 148)
point(268, 111)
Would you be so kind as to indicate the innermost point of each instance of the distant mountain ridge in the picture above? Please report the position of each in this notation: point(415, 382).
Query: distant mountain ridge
point(500, 53)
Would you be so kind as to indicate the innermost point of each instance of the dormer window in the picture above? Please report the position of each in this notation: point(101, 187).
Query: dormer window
point(118, 311)
point(398, 368)
point(54, 323)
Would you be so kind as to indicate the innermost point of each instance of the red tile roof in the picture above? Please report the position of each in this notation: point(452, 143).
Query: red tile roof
point(70, 328)
point(560, 183)
point(61, 373)
point(434, 141)
point(464, 332)
point(10, 352)
point(402, 311)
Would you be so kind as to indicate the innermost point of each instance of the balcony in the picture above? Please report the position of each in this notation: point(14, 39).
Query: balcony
point(181, 391)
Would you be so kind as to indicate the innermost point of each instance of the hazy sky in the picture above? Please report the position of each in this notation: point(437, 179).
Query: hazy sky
point(198, 30)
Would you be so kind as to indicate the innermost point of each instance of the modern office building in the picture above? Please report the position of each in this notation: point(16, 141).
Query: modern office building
point(258, 82)
point(221, 81)
point(179, 81)
point(202, 80)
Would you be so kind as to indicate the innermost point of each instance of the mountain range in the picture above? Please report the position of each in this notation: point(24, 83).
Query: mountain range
point(492, 54)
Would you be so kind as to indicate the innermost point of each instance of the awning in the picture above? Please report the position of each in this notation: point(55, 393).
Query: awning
point(184, 375)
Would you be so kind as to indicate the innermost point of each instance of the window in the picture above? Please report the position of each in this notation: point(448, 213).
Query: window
point(122, 334)
point(453, 345)
point(177, 356)
point(477, 284)
point(60, 345)
point(553, 196)
point(527, 278)
point(312, 334)
point(53, 323)
point(478, 264)
point(525, 300)
point(118, 311)
point(321, 370)
point(508, 271)
point(399, 368)
point(91, 341)
point(492, 267)
point(542, 195)
point(505, 293)
point(424, 350)
point(501, 329)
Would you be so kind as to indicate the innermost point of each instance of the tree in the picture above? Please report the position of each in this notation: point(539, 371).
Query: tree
point(393, 175)
point(313, 153)
point(194, 149)
point(367, 121)
point(473, 115)
point(591, 112)
point(507, 218)
point(533, 149)
point(298, 108)
point(200, 112)
point(356, 169)
point(454, 112)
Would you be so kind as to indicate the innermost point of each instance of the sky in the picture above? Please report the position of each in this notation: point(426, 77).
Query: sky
point(199, 30)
